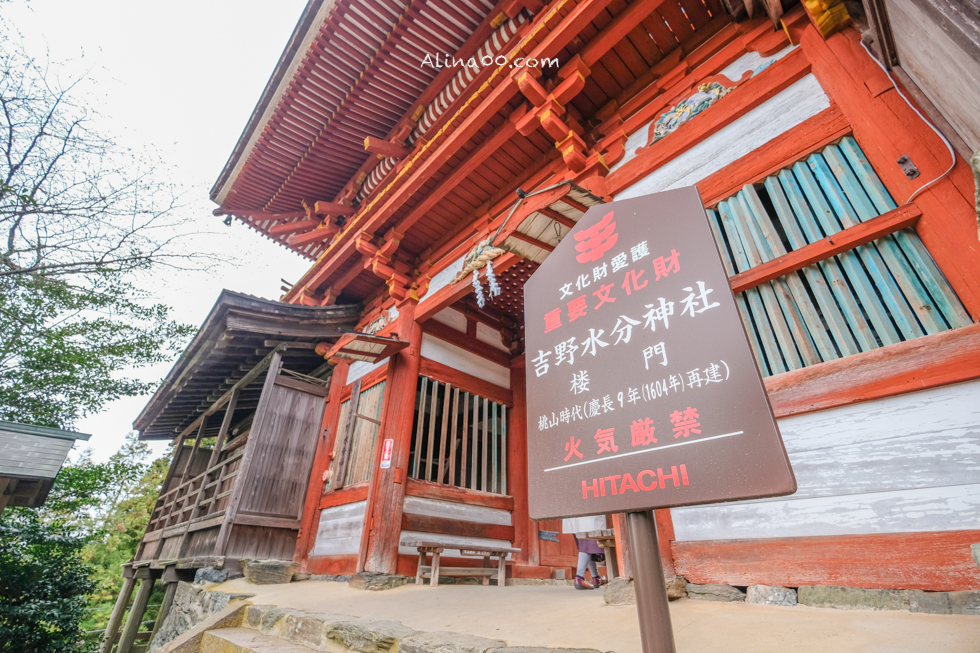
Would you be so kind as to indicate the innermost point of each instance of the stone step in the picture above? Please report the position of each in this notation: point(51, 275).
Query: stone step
point(246, 640)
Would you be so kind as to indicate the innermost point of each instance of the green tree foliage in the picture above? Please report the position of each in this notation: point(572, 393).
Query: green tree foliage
point(108, 505)
point(80, 216)
point(43, 585)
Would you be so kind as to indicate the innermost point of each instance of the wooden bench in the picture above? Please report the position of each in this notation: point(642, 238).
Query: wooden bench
point(433, 571)
point(606, 538)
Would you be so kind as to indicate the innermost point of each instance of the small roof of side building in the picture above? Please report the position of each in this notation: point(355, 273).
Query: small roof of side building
point(237, 335)
point(30, 459)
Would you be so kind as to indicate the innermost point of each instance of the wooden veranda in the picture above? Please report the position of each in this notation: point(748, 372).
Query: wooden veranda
point(244, 405)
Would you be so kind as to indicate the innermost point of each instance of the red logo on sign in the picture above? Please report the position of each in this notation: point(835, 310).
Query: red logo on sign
point(596, 240)
point(386, 453)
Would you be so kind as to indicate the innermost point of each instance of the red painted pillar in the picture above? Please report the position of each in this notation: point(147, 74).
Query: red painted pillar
point(382, 523)
point(665, 538)
point(321, 462)
point(525, 535)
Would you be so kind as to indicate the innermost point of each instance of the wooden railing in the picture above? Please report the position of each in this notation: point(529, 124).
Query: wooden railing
point(178, 505)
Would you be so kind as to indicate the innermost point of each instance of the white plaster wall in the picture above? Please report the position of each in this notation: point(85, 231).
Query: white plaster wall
point(787, 109)
point(459, 359)
point(339, 532)
point(902, 464)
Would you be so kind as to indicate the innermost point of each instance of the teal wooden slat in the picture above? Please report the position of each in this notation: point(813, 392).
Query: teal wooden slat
point(889, 282)
point(891, 251)
point(817, 345)
point(850, 261)
point(852, 186)
point(726, 259)
point(785, 331)
point(919, 258)
point(743, 308)
point(933, 279)
point(774, 360)
point(866, 174)
point(830, 269)
point(843, 342)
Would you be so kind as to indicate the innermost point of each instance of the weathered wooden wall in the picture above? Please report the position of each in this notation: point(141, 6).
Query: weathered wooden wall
point(942, 63)
point(282, 451)
point(455, 518)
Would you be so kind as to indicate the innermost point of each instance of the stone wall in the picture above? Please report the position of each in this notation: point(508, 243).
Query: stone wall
point(192, 605)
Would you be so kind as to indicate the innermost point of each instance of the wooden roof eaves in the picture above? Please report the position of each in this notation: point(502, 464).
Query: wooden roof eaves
point(484, 102)
point(215, 327)
point(470, 46)
point(287, 61)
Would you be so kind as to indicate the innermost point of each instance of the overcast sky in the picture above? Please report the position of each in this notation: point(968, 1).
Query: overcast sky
point(182, 77)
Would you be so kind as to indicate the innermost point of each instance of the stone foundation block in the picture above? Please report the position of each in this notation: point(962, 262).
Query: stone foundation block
point(770, 595)
point(269, 572)
point(853, 598)
point(725, 593)
point(210, 575)
point(369, 636)
point(676, 588)
point(929, 602)
point(619, 591)
point(376, 582)
point(522, 649)
point(443, 642)
point(965, 602)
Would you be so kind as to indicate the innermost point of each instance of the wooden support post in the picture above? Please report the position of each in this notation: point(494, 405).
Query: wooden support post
point(525, 535)
point(321, 463)
point(386, 497)
point(434, 579)
point(136, 612)
point(118, 610)
point(419, 573)
point(168, 602)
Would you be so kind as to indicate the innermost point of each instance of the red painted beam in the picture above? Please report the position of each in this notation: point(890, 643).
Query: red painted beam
point(925, 561)
point(557, 217)
point(617, 30)
point(926, 362)
point(532, 241)
point(887, 223)
point(385, 148)
point(314, 236)
point(460, 339)
point(333, 208)
point(293, 227)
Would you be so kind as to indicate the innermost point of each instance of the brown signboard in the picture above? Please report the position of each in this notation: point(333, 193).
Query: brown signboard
point(642, 391)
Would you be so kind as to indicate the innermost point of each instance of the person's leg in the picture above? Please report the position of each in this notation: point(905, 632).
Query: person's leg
point(593, 568)
point(584, 560)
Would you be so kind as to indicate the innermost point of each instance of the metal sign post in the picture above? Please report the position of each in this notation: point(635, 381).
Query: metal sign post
point(642, 389)
point(649, 585)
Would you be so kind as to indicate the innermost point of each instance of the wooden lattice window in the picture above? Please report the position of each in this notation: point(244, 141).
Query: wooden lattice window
point(360, 418)
point(459, 438)
point(875, 294)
